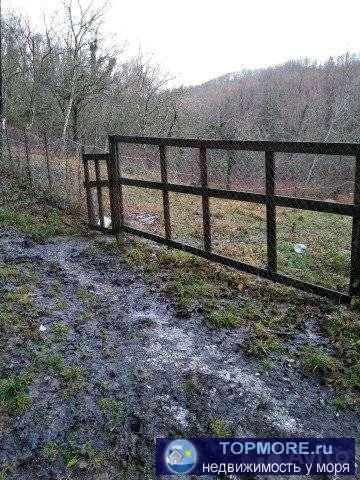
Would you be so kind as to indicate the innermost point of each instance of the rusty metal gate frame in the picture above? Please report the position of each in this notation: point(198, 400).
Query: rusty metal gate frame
point(115, 182)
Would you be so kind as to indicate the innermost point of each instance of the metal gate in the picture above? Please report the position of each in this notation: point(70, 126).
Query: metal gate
point(115, 181)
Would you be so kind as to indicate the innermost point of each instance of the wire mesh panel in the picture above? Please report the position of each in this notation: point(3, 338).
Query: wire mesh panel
point(53, 166)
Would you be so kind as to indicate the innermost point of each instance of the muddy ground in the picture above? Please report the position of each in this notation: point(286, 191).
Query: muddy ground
point(98, 331)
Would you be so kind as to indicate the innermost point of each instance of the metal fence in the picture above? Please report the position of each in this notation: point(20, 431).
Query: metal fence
point(115, 182)
point(51, 165)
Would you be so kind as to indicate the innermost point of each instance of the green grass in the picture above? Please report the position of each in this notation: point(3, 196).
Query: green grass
point(262, 347)
point(60, 305)
point(84, 295)
point(50, 451)
point(72, 377)
point(49, 362)
point(317, 361)
point(14, 393)
point(191, 287)
point(136, 255)
point(30, 225)
point(226, 317)
point(267, 365)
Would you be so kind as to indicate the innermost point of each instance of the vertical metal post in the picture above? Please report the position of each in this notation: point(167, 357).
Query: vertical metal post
point(46, 149)
point(355, 244)
point(27, 156)
point(115, 188)
point(164, 180)
point(89, 198)
point(99, 193)
point(205, 199)
point(270, 212)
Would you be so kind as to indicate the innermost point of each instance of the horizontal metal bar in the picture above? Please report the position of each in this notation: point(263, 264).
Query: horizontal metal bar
point(244, 267)
point(247, 145)
point(279, 201)
point(317, 205)
point(95, 156)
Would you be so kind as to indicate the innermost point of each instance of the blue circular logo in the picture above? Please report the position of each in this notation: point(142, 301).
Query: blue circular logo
point(180, 456)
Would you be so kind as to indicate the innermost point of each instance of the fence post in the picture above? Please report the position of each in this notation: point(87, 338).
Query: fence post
point(89, 197)
point(164, 180)
point(355, 244)
point(46, 148)
point(26, 145)
point(115, 189)
point(99, 193)
point(270, 212)
point(205, 199)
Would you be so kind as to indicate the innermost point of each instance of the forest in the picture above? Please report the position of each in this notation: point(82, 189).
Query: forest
point(69, 80)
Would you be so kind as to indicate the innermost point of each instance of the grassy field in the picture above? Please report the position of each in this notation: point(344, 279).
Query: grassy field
point(239, 232)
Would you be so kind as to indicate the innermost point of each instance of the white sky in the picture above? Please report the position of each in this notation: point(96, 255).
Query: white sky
point(197, 40)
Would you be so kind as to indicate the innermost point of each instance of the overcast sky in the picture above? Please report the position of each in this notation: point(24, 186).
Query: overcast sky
point(197, 40)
